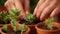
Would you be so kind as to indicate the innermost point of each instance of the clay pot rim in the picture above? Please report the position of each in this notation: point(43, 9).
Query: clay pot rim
point(27, 31)
point(44, 29)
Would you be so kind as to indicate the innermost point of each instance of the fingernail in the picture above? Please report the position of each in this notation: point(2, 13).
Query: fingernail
point(27, 12)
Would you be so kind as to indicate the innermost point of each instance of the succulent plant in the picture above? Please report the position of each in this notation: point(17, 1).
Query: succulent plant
point(5, 28)
point(4, 17)
point(30, 17)
point(23, 28)
point(48, 23)
point(13, 16)
point(14, 25)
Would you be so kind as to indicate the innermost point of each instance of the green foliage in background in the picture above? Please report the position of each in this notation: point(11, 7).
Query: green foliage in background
point(2, 2)
point(33, 4)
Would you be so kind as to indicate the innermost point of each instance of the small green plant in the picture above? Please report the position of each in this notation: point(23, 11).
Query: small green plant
point(5, 28)
point(4, 17)
point(14, 25)
point(48, 23)
point(30, 17)
point(13, 16)
point(23, 28)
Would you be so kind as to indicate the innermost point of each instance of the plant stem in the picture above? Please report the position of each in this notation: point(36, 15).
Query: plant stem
point(21, 32)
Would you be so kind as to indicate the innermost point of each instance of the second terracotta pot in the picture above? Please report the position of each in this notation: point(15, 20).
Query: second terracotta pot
point(43, 31)
point(32, 29)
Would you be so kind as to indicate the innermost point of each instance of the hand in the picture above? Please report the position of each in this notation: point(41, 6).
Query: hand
point(47, 8)
point(18, 4)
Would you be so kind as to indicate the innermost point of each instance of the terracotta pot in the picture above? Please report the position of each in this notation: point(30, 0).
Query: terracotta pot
point(57, 24)
point(9, 25)
point(32, 26)
point(33, 30)
point(43, 31)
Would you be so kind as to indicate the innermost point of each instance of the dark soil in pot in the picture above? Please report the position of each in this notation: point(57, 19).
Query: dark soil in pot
point(46, 28)
point(31, 25)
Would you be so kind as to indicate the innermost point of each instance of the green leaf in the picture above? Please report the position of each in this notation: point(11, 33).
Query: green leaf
point(30, 17)
point(14, 14)
point(23, 27)
point(5, 28)
point(4, 17)
point(48, 22)
point(14, 24)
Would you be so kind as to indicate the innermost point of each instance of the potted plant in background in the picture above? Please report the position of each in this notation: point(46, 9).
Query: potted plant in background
point(47, 27)
point(4, 18)
point(15, 26)
point(31, 21)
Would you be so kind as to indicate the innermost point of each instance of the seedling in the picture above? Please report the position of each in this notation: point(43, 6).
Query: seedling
point(14, 25)
point(30, 17)
point(4, 17)
point(13, 16)
point(23, 28)
point(48, 23)
point(5, 28)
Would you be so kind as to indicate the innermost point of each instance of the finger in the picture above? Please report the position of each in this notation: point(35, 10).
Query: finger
point(18, 5)
point(27, 6)
point(41, 8)
point(11, 3)
point(39, 3)
point(22, 15)
point(7, 5)
point(22, 1)
point(55, 12)
point(47, 10)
